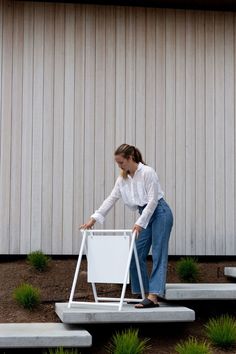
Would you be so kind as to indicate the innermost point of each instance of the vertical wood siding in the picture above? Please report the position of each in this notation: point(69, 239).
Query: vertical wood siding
point(76, 81)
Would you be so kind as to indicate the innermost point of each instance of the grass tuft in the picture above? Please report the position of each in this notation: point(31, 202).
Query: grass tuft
point(192, 346)
point(188, 269)
point(127, 342)
point(222, 331)
point(27, 296)
point(38, 260)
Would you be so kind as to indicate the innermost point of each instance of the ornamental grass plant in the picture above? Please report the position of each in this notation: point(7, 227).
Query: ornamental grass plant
point(188, 269)
point(27, 296)
point(193, 346)
point(38, 260)
point(222, 331)
point(127, 342)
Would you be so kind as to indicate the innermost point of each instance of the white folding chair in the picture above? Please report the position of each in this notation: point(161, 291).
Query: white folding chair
point(109, 254)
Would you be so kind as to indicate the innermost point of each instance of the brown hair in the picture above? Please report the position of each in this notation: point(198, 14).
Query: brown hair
point(127, 151)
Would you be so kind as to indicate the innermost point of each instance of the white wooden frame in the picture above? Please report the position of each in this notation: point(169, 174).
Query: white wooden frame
point(107, 301)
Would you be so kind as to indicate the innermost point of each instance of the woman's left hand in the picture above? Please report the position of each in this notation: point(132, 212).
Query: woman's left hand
point(137, 229)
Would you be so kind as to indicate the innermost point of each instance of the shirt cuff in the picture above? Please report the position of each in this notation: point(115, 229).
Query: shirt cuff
point(98, 217)
point(140, 223)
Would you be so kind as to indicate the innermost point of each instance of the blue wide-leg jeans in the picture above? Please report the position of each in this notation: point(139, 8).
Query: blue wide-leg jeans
point(157, 235)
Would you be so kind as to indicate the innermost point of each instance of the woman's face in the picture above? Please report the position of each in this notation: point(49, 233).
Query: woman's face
point(123, 163)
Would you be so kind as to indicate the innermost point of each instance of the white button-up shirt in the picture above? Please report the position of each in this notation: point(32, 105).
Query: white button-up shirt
point(141, 189)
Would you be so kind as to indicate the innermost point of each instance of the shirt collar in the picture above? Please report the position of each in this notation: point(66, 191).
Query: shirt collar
point(140, 166)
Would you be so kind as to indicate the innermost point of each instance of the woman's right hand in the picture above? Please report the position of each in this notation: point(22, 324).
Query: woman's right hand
point(88, 225)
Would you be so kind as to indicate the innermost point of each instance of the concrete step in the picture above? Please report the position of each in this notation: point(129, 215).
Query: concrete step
point(200, 291)
point(43, 335)
point(104, 314)
point(230, 272)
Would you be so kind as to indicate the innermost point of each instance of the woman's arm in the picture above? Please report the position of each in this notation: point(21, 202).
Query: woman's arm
point(100, 214)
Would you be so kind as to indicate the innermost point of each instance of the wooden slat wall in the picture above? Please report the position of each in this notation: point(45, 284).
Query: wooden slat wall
point(76, 81)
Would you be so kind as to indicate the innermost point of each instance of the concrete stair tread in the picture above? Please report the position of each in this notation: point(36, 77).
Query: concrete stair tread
point(105, 314)
point(230, 272)
point(43, 335)
point(200, 291)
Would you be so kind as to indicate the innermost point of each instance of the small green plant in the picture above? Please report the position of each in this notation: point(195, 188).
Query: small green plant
point(192, 346)
point(188, 269)
point(127, 342)
point(27, 296)
point(61, 350)
point(222, 331)
point(38, 260)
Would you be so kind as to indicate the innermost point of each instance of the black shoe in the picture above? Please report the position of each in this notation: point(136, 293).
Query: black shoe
point(146, 303)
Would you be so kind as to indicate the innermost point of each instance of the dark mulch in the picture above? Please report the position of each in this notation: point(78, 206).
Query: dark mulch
point(55, 284)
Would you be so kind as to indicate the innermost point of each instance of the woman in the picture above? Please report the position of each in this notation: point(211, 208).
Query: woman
point(139, 187)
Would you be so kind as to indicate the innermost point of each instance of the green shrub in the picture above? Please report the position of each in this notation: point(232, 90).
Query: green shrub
point(38, 260)
point(222, 331)
point(188, 269)
point(192, 346)
point(62, 351)
point(27, 296)
point(127, 342)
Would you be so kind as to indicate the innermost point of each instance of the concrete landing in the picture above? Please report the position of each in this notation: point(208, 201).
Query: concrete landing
point(201, 291)
point(94, 314)
point(230, 272)
point(42, 335)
